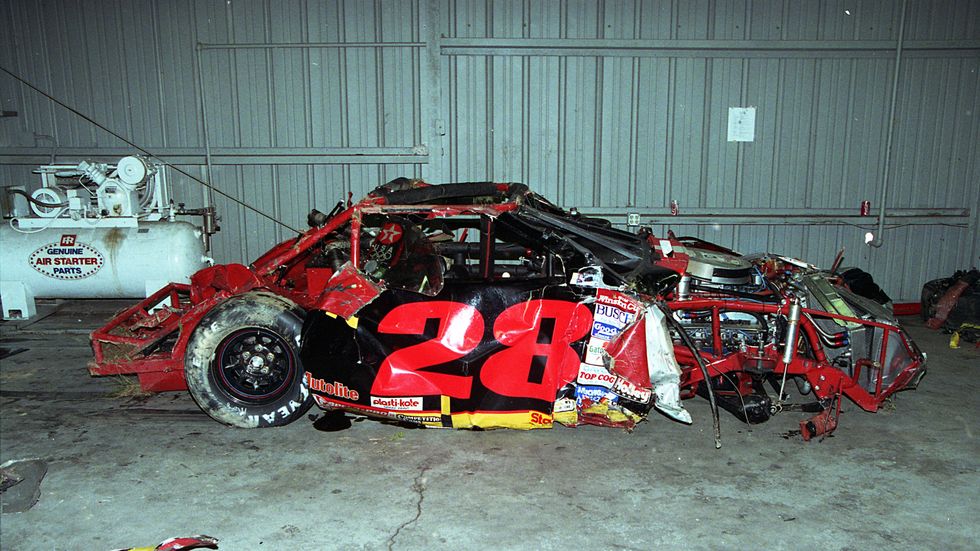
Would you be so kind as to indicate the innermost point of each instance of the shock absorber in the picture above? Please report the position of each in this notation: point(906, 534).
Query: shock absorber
point(792, 332)
point(684, 287)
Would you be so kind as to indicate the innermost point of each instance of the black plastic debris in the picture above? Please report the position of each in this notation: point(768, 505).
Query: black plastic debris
point(21, 484)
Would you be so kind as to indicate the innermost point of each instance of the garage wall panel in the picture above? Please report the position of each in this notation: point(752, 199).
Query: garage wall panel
point(653, 121)
point(602, 129)
point(286, 99)
point(543, 147)
point(645, 131)
point(616, 132)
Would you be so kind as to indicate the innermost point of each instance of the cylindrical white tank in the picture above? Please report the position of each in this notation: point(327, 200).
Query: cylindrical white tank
point(101, 262)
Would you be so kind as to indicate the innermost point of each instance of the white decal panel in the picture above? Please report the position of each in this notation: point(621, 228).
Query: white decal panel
point(68, 260)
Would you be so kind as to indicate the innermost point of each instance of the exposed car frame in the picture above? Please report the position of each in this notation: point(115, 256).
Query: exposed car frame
point(723, 325)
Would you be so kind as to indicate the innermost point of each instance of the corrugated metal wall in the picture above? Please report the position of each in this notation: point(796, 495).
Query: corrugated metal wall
point(613, 106)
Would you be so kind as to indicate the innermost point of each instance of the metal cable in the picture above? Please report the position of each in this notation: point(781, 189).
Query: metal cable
point(686, 339)
point(145, 152)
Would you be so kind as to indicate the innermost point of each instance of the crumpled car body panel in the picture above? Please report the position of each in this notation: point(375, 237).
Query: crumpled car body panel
point(483, 305)
point(516, 354)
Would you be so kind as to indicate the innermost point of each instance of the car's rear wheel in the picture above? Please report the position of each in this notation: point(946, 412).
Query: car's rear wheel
point(242, 363)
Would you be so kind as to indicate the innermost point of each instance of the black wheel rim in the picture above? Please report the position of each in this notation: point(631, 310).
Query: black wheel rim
point(254, 365)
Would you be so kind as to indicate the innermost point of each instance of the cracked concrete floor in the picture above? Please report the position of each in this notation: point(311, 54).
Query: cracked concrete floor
point(124, 472)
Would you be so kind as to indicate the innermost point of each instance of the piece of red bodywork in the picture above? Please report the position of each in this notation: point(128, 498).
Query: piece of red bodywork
point(181, 543)
point(947, 303)
point(150, 338)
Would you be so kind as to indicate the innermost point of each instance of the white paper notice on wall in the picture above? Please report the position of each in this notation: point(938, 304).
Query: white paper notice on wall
point(741, 124)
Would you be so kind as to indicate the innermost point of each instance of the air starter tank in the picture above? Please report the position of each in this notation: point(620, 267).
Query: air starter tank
point(105, 262)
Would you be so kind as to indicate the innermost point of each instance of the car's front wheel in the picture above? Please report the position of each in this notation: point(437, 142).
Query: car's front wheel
point(242, 363)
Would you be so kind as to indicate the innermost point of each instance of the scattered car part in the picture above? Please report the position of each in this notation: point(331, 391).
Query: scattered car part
point(21, 484)
point(180, 543)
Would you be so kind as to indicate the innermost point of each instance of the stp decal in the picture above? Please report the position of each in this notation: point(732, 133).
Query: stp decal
point(68, 259)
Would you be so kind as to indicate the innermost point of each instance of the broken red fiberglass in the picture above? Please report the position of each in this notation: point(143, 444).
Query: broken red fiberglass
point(483, 305)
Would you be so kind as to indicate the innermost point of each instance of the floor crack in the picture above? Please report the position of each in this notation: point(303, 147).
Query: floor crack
point(418, 486)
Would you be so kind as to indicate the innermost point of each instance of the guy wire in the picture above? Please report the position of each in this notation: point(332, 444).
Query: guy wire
point(147, 153)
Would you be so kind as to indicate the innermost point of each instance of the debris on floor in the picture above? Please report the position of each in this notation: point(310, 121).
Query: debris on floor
point(969, 332)
point(176, 544)
point(949, 302)
point(20, 484)
point(8, 352)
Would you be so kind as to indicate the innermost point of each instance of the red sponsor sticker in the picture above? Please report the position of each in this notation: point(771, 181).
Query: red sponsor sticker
point(391, 233)
point(411, 403)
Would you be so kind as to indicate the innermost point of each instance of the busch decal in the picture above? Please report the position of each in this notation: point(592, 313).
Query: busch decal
point(68, 260)
point(613, 312)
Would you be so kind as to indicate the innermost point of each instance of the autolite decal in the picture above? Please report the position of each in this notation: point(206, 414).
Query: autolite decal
point(397, 404)
point(333, 389)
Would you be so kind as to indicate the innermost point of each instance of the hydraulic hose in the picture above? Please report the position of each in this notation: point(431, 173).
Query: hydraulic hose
point(686, 339)
point(37, 201)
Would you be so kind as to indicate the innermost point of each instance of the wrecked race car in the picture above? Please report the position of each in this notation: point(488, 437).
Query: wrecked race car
point(483, 305)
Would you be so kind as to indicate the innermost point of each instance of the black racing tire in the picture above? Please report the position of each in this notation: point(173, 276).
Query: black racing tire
point(242, 362)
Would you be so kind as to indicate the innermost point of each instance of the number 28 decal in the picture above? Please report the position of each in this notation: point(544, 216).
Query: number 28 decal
point(536, 336)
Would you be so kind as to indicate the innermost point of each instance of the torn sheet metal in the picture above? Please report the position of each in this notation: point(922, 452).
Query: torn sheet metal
point(347, 292)
point(645, 353)
point(180, 543)
point(485, 305)
point(487, 356)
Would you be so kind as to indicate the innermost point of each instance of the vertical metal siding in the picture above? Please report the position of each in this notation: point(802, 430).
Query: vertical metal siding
point(652, 130)
point(600, 130)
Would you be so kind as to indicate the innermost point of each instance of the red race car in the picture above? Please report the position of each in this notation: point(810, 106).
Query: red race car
point(483, 305)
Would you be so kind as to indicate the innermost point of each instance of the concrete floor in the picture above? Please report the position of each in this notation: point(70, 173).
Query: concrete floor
point(125, 472)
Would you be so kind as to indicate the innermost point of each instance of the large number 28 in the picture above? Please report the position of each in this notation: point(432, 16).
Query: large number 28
point(536, 357)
